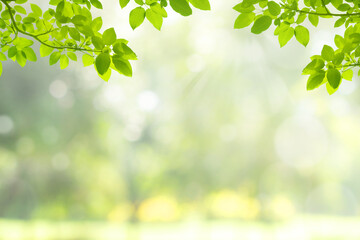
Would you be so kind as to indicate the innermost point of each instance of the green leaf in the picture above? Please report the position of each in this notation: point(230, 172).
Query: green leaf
point(136, 17)
point(122, 66)
point(330, 89)
point(123, 3)
point(102, 63)
point(327, 53)
point(109, 36)
point(72, 56)
point(29, 20)
point(96, 24)
point(348, 75)
point(315, 80)
point(96, 3)
point(45, 50)
point(36, 10)
point(64, 61)
point(338, 58)
point(106, 76)
point(274, 8)
point(339, 22)
point(314, 66)
point(156, 7)
point(261, 24)
point(333, 76)
point(181, 6)
point(87, 60)
point(74, 33)
point(201, 4)
point(240, 8)
point(314, 19)
point(140, 2)
point(12, 52)
point(154, 18)
point(302, 35)
point(21, 58)
point(20, 9)
point(244, 20)
point(54, 58)
point(2, 57)
point(339, 41)
point(285, 36)
point(1, 68)
point(55, 2)
point(30, 54)
point(97, 42)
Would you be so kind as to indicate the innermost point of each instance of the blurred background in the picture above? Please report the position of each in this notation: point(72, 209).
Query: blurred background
point(214, 137)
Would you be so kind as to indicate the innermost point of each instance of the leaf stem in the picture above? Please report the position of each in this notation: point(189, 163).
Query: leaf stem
point(322, 14)
point(36, 37)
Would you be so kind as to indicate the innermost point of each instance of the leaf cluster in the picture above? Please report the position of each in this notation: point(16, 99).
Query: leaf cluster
point(289, 20)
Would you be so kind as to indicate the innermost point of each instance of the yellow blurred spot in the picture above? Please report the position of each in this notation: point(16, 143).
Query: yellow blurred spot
point(160, 208)
point(229, 204)
point(281, 208)
point(120, 213)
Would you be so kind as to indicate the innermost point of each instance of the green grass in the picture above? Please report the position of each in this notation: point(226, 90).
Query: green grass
point(303, 228)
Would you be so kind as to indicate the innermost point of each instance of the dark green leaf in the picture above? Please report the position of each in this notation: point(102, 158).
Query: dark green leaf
point(181, 6)
point(333, 76)
point(102, 63)
point(261, 24)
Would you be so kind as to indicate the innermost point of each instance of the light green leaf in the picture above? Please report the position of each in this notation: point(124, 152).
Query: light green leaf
point(64, 61)
point(36, 10)
point(244, 20)
point(136, 17)
point(330, 89)
point(274, 8)
point(261, 24)
point(123, 3)
point(1, 68)
point(2, 57)
point(96, 24)
point(54, 58)
point(87, 60)
point(106, 76)
point(302, 35)
point(348, 74)
point(20, 9)
point(74, 33)
point(314, 19)
point(30, 54)
point(109, 36)
point(327, 53)
point(72, 56)
point(45, 50)
point(240, 8)
point(21, 58)
point(97, 42)
point(201, 4)
point(315, 80)
point(154, 18)
point(285, 36)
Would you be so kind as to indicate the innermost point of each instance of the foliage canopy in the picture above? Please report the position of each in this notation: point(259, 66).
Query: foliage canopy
point(67, 29)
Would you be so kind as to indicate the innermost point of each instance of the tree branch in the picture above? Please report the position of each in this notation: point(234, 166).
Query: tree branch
point(36, 37)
